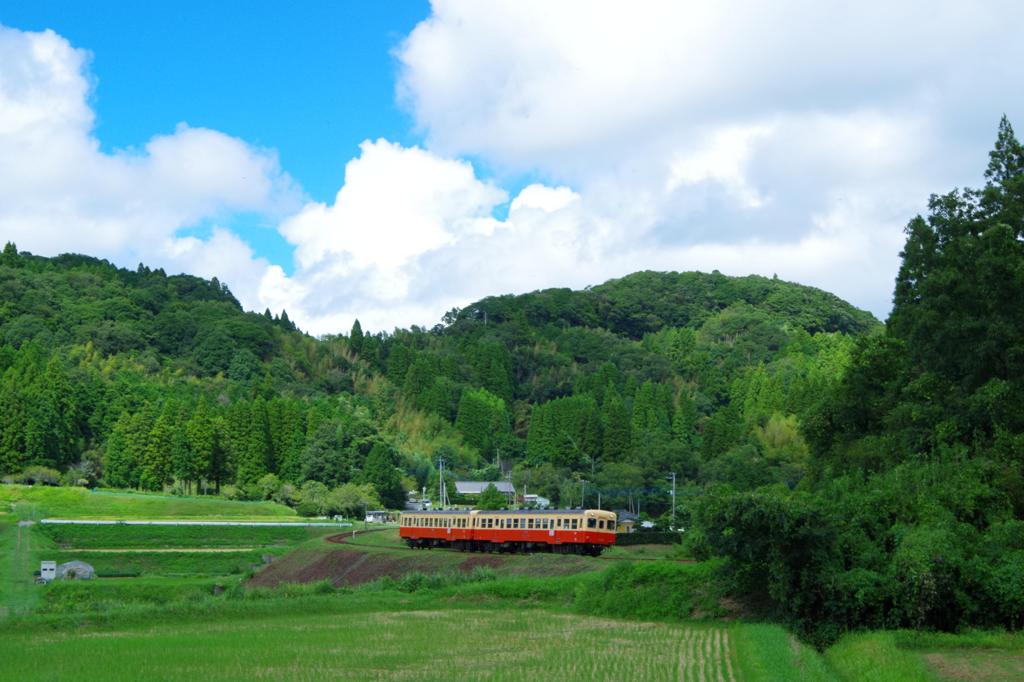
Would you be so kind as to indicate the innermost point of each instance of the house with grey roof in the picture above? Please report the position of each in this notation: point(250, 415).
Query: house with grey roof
point(477, 487)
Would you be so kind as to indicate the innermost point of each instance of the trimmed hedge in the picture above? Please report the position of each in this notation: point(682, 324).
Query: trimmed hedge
point(648, 538)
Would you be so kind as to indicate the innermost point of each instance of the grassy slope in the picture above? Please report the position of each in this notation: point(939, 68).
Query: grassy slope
point(913, 656)
point(71, 503)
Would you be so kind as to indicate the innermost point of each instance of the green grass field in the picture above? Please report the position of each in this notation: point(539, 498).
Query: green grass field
point(169, 563)
point(74, 503)
point(913, 656)
point(158, 537)
point(179, 607)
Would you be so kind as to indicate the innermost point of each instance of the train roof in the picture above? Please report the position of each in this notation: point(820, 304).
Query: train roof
point(508, 511)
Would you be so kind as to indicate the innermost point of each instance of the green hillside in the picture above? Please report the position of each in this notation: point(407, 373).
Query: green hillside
point(137, 379)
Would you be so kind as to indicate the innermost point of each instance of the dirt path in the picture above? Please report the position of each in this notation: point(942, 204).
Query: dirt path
point(16, 595)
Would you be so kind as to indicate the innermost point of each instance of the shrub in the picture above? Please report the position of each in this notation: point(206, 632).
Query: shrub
point(39, 475)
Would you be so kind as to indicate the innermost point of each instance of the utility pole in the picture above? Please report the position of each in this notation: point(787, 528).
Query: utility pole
point(583, 494)
point(442, 488)
point(598, 499)
point(673, 500)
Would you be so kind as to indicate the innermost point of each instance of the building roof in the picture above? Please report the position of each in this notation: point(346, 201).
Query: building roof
point(477, 487)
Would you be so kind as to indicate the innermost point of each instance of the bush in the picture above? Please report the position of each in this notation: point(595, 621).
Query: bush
point(39, 475)
point(267, 487)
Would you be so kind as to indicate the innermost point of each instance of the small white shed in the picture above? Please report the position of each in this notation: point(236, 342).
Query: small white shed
point(47, 570)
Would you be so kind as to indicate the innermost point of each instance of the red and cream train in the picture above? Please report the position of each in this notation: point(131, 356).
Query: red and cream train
point(565, 531)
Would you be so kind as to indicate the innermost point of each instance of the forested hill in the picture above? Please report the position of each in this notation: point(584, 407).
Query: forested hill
point(135, 378)
point(646, 302)
point(628, 381)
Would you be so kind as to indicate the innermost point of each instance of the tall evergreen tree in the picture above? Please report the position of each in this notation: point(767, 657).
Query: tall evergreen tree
point(482, 420)
point(157, 463)
point(380, 471)
point(355, 338)
point(615, 420)
point(201, 437)
point(120, 462)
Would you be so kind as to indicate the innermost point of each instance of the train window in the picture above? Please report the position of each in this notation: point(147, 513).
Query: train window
point(574, 521)
point(529, 523)
point(600, 524)
point(546, 523)
point(591, 523)
point(559, 523)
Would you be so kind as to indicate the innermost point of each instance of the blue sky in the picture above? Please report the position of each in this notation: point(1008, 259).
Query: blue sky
point(311, 82)
point(390, 161)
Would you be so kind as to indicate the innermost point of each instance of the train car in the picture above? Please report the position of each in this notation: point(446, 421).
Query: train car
point(565, 531)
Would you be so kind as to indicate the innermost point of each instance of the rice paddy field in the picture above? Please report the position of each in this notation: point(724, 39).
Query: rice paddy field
point(441, 644)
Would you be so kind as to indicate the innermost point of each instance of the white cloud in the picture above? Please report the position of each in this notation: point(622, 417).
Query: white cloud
point(793, 138)
point(60, 193)
point(396, 203)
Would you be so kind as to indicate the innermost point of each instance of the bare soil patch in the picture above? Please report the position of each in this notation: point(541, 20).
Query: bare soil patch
point(356, 564)
point(348, 567)
point(977, 664)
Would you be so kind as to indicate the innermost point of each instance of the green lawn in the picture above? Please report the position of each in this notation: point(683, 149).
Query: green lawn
point(71, 503)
